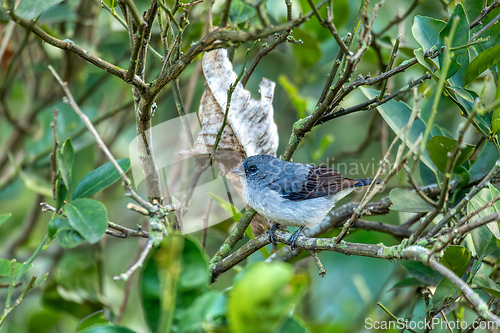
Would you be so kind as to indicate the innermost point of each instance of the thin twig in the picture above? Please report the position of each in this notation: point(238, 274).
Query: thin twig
point(101, 144)
point(321, 268)
point(126, 232)
point(232, 88)
point(394, 317)
point(333, 73)
point(425, 256)
point(53, 166)
point(262, 53)
point(221, 38)
point(225, 14)
point(452, 212)
point(374, 102)
point(69, 45)
point(487, 26)
point(205, 223)
point(394, 54)
point(138, 264)
point(8, 309)
point(397, 19)
point(484, 13)
point(328, 23)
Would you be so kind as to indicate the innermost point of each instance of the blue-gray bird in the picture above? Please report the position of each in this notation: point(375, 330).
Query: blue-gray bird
point(292, 194)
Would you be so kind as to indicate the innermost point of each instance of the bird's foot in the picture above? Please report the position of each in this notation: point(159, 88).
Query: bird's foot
point(293, 238)
point(271, 233)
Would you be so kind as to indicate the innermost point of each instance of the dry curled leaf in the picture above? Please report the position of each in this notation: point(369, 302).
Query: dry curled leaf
point(250, 129)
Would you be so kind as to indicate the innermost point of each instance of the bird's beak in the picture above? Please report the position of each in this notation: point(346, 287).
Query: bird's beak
point(240, 171)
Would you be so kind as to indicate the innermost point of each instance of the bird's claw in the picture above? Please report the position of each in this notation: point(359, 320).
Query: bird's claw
point(271, 233)
point(293, 238)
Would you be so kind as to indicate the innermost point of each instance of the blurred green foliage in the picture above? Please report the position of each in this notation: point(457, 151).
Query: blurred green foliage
point(174, 293)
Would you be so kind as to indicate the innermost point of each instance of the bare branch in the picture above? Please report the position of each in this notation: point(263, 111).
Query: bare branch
point(127, 182)
point(484, 13)
point(69, 45)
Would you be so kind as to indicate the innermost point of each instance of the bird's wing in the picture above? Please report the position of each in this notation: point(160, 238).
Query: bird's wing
point(321, 181)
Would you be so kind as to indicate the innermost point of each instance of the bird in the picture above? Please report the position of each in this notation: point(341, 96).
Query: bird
point(292, 194)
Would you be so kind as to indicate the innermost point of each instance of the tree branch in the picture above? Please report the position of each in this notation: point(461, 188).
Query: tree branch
point(423, 255)
point(374, 102)
point(127, 182)
point(69, 45)
point(484, 12)
point(219, 38)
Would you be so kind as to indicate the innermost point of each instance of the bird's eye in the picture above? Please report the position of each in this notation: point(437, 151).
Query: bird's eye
point(252, 169)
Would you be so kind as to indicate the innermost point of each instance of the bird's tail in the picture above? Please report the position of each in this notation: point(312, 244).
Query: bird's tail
point(365, 182)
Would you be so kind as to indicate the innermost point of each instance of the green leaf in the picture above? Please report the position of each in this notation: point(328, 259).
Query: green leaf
point(461, 171)
point(457, 80)
point(31, 9)
point(36, 183)
point(495, 123)
point(92, 320)
point(396, 115)
point(440, 131)
point(150, 294)
point(407, 282)
point(236, 216)
point(55, 225)
point(100, 178)
point(457, 259)
point(206, 314)
point(65, 159)
point(324, 144)
point(461, 37)
point(32, 181)
point(294, 325)
point(5, 267)
point(263, 311)
point(421, 272)
point(107, 329)
point(69, 238)
point(439, 147)
point(487, 284)
point(175, 276)
point(4, 217)
point(299, 102)
point(474, 9)
point(463, 93)
point(61, 193)
point(408, 201)
point(194, 274)
point(88, 217)
point(484, 241)
point(482, 62)
point(241, 12)
point(495, 126)
point(228, 208)
point(111, 3)
point(426, 31)
point(74, 285)
point(419, 54)
point(428, 177)
point(480, 199)
point(446, 293)
point(484, 162)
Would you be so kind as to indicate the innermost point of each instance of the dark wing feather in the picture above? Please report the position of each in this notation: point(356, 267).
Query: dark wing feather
point(321, 182)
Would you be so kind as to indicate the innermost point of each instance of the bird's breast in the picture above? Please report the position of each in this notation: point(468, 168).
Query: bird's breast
point(274, 207)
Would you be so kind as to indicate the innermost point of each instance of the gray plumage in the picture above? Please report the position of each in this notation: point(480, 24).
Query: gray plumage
point(292, 194)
